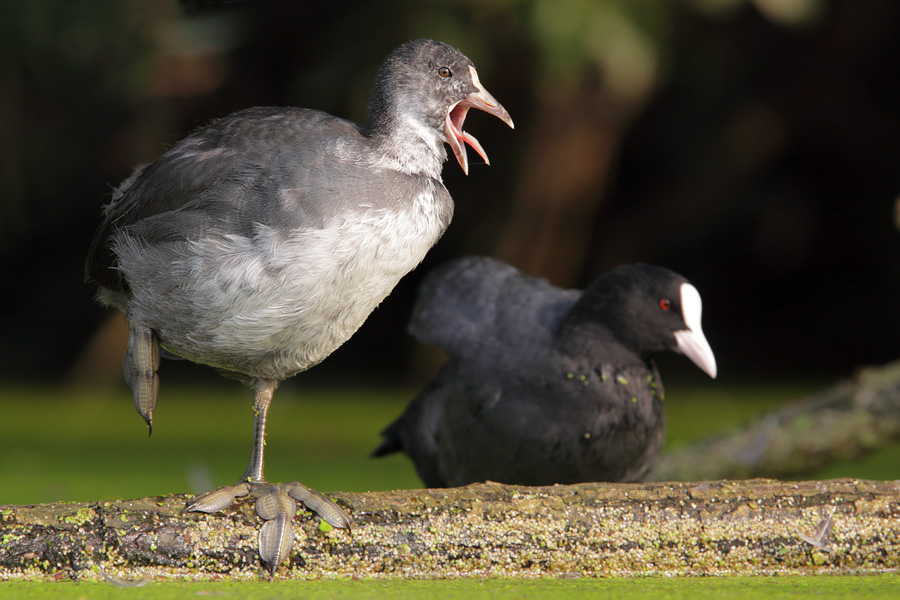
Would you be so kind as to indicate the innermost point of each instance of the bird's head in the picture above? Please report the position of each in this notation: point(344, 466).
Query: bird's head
point(429, 87)
point(649, 309)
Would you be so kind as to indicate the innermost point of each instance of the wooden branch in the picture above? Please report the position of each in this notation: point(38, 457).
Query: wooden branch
point(747, 527)
point(846, 421)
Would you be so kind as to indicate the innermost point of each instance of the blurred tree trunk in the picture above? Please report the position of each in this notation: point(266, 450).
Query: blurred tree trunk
point(846, 421)
point(748, 527)
point(564, 174)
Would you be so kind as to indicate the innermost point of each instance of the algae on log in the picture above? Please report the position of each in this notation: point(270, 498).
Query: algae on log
point(720, 527)
point(846, 421)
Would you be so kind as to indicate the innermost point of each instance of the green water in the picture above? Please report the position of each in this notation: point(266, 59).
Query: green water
point(86, 446)
point(826, 587)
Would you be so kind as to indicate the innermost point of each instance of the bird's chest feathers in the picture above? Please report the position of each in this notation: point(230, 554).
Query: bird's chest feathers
point(617, 421)
point(618, 399)
point(277, 302)
point(359, 257)
point(311, 289)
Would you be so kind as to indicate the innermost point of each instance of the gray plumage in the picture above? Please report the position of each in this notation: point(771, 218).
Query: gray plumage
point(261, 242)
point(544, 385)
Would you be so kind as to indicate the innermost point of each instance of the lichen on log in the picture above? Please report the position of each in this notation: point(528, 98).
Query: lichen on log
point(708, 528)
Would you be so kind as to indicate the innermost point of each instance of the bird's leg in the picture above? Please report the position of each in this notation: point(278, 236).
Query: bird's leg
point(262, 398)
point(139, 367)
point(224, 497)
point(276, 504)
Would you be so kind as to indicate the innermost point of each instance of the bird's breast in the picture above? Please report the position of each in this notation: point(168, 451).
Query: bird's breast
point(278, 302)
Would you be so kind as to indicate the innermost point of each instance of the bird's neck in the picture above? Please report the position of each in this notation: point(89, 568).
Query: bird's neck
point(595, 343)
point(410, 146)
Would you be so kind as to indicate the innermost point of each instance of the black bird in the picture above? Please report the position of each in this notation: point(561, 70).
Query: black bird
point(259, 243)
point(544, 385)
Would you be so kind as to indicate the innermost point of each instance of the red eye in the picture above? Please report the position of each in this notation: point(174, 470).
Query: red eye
point(665, 304)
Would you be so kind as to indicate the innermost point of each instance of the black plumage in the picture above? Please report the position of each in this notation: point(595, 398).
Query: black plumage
point(259, 243)
point(544, 385)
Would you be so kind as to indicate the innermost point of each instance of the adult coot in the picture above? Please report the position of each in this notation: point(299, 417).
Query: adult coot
point(545, 385)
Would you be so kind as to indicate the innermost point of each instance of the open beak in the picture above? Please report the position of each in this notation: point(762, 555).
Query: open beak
point(691, 342)
point(453, 123)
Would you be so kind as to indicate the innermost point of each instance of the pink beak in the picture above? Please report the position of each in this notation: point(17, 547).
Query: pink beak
point(453, 124)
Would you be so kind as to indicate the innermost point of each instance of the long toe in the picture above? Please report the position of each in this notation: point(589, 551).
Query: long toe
point(217, 500)
point(276, 536)
point(330, 512)
point(276, 539)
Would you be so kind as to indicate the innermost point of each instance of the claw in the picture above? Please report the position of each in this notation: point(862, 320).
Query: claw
point(330, 512)
point(139, 367)
point(216, 500)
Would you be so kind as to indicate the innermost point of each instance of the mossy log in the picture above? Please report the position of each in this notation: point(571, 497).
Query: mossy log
point(709, 528)
point(845, 421)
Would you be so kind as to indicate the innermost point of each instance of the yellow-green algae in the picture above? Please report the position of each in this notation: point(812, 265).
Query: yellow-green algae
point(485, 530)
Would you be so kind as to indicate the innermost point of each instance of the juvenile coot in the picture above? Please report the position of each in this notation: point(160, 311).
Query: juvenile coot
point(261, 242)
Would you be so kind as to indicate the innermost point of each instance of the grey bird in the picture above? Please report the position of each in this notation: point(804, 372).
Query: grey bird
point(545, 385)
point(260, 243)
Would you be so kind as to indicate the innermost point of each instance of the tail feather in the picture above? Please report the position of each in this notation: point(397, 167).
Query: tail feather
point(389, 445)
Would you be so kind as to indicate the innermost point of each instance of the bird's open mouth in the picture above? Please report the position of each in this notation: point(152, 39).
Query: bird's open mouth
point(453, 124)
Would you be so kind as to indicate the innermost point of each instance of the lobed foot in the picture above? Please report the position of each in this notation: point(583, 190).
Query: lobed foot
point(139, 367)
point(276, 504)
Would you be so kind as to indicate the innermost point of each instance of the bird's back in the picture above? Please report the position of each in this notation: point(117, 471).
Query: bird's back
point(224, 178)
point(481, 309)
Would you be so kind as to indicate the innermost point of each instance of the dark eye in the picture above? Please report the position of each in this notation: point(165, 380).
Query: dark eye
point(665, 304)
point(444, 72)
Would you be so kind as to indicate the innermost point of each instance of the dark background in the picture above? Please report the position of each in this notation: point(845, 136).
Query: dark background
point(753, 146)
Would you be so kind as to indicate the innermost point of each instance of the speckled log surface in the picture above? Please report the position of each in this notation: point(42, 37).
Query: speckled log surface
point(710, 528)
